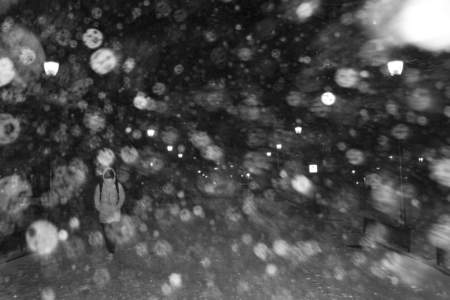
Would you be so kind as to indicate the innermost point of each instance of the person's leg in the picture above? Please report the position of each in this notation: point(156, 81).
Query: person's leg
point(109, 244)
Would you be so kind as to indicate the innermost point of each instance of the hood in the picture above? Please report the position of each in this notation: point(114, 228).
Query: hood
point(105, 171)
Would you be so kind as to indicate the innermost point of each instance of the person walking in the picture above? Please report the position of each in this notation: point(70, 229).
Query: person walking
point(109, 199)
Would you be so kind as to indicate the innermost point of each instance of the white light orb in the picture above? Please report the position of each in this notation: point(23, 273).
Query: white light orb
point(281, 248)
point(7, 71)
point(302, 184)
point(63, 235)
point(106, 157)
point(74, 223)
point(42, 237)
point(103, 61)
point(271, 270)
point(92, 38)
point(140, 101)
point(175, 280)
point(328, 98)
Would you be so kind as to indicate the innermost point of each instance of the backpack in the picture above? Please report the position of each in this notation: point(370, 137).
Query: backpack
point(116, 183)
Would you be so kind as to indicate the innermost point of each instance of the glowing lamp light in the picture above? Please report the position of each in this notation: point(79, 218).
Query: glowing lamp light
point(328, 98)
point(298, 130)
point(151, 132)
point(313, 168)
point(279, 146)
point(51, 68)
point(395, 67)
point(423, 23)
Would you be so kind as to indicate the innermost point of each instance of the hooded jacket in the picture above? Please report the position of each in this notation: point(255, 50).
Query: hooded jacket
point(110, 202)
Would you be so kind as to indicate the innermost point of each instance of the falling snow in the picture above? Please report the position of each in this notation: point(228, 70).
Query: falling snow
point(284, 150)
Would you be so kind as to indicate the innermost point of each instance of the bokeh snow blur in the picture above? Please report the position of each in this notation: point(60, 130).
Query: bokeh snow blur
point(293, 149)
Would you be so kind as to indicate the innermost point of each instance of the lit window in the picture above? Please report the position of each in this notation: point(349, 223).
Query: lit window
point(313, 168)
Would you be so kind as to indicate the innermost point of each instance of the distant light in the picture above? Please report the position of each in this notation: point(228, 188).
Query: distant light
point(151, 132)
point(328, 98)
point(128, 129)
point(421, 23)
point(313, 168)
point(169, 148)
point(269, 154)
point(298, 130)
point(279, 146)
point(395, 67)
point(51, 68)
point(420, 159)
point(353, 171)
point(180, 155)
